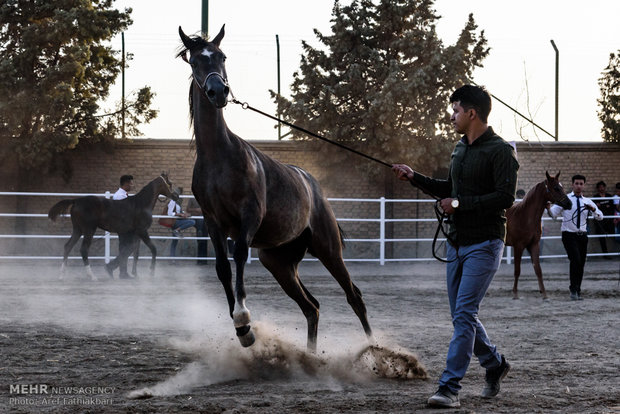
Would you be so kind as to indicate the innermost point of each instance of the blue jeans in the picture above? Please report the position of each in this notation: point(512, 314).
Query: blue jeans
point(469, 274)
point(179, 224)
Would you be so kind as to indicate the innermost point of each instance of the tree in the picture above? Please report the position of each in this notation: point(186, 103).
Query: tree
point(56, 69)
point(381, 85)
point(609, 104)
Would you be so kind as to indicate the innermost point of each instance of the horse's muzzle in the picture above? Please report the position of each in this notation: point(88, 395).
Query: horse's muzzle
point(217, 92)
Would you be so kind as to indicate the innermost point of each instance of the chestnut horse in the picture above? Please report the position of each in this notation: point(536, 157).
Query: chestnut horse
point(523, 225)
point(130, 218)
point(257, 201)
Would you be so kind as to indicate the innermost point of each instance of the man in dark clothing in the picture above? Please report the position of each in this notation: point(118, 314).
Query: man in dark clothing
point(605, 226)
point(480, 186)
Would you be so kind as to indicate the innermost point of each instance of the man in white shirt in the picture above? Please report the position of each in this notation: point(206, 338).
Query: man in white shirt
point(574, 231)
point(125, 188)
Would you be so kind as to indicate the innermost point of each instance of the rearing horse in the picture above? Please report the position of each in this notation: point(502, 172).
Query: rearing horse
point(257, 201)
point(523, 225)
point(130, 218)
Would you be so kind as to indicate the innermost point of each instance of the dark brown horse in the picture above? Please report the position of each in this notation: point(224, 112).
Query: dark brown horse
point(130, 218)
point(257, 201)
point(524, 226)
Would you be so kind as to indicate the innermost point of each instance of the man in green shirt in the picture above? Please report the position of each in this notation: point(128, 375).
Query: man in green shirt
point(480, 187)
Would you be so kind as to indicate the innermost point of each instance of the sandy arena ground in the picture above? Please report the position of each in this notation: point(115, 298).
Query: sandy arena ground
point(77, 346)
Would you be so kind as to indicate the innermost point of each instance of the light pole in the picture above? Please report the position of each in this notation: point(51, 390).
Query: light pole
point(205, 17)
point(557, 85)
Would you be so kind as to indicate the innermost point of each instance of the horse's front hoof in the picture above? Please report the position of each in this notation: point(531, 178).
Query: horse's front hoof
point(241, 317)
point(109, 270)
point(246, 336)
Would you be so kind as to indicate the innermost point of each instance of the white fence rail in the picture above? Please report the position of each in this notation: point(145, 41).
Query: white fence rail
point(381, 239)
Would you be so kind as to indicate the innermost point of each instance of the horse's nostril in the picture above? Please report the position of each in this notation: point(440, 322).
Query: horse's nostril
point(226, 90)
point(211, 93)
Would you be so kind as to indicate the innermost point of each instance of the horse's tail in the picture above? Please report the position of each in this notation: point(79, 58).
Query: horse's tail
point(59, 208)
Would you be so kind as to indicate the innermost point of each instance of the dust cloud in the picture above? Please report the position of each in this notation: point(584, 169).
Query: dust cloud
point(275, 357)
point(189, 314)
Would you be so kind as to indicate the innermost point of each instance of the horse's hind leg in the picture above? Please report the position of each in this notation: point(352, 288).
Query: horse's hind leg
point(283, 262)
point(535, 253)
point(75, 236)
point(518, 251)
point(329, 252)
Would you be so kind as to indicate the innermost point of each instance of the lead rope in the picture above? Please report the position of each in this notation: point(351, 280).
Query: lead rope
point(441, 216)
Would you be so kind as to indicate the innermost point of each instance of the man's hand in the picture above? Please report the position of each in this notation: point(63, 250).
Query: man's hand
point(591, 208)
point(403, 172)
point(446, 205)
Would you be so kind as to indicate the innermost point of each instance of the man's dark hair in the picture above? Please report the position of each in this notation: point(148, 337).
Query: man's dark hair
point(126, 178)
point(473, 97)
point(578, 177)
point(618, 186)
point(601, 183)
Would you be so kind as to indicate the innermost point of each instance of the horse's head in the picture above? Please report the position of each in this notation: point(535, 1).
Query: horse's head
point(165, 188)
point(207, 62)
point(555, 192)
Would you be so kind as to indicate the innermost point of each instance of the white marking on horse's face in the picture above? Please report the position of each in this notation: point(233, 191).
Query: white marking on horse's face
point(206, 52)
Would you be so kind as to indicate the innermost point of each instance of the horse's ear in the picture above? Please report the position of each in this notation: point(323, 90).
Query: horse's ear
point(187, 41)
point(548, 176)
point(557, 175)
point(219, 37)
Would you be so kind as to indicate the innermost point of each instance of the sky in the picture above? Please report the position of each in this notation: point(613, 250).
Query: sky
point(520, 69)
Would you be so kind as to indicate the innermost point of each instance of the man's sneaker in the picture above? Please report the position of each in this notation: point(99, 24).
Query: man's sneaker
point(176, 233)
point(493, 379)
point(574, 296)
point(443, 398)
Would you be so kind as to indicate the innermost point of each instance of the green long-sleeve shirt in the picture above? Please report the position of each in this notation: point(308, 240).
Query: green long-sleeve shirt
point(483, 177)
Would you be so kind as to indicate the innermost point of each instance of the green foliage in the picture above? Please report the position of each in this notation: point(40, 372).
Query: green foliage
point(382, 82)
point(609, 104)
point(56, 69)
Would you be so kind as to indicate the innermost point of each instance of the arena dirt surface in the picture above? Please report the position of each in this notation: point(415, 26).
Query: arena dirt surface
point(167, 344)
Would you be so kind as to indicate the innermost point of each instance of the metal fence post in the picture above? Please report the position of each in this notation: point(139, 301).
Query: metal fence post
point(382, 231)
point(107, 238)
point(508, 254)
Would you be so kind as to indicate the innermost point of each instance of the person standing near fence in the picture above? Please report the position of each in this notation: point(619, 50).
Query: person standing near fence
point(617, 212)
point(574, 232)
point(606, 226)
point(480, 186)
point(126, 186)
point(194, 209)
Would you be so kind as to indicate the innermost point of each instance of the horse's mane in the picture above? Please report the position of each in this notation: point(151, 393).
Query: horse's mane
point(527, 198)
point(183, 52)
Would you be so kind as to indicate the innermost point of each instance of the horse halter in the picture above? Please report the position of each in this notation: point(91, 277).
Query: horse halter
point(204, 83)
point(548, 191)
point(166, 182)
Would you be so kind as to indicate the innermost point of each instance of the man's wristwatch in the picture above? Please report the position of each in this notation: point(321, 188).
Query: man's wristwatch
point(455, 203)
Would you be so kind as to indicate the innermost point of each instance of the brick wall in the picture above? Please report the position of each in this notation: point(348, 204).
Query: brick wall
point(99, 171)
